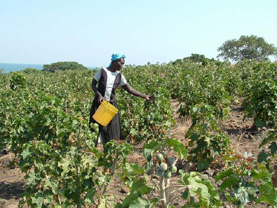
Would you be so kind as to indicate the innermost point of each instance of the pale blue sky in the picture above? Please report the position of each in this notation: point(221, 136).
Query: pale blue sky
point(89, 31)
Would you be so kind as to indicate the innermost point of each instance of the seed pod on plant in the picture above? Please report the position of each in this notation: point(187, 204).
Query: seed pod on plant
point(160, 157)
point(171, 161)
point(160, 171)
point(173, 169)
point(163, 166)
point(167, 174)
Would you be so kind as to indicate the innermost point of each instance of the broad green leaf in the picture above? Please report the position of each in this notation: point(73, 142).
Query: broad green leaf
point(37, 200)
point(140, 186)
point(185, 194)
point(212, 190)
point(268, 194)
point(102, 203)
point(266, 141)
point(184, 176)
point(64, 165)
point(31, 177)
point(261, 174)
point(149, 148)
point(223, 174)
point(136, 169)
point(241, 195)
point(273, 148)
point(26, 153)
point(129, 199)
point(178, 147)
point(133, 131)
point(229, 182)
point(194, 186)
point(139, 203)
point(52, 185)
point(153, 203)
point(201, 165)
point(262, 157)
point(228, 158)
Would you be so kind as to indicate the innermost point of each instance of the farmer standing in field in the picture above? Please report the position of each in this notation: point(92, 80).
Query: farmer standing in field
point(109, 79)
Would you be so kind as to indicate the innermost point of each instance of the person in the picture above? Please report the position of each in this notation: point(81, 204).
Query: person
point(108, 80)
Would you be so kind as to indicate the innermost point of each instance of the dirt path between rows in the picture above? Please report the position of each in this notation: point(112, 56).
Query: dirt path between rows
point(243, 138)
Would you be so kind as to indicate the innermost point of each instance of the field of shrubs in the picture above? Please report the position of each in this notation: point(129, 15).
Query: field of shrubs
point(44, 122)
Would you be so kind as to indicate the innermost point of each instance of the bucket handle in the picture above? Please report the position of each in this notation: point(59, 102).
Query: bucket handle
point(101, 100)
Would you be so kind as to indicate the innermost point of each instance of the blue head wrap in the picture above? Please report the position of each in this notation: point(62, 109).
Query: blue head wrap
point(116, 56)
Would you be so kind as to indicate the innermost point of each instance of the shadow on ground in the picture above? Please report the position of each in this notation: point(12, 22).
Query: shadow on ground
point(11, 190)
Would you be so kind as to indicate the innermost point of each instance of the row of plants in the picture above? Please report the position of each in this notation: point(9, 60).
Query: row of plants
point(44, 121)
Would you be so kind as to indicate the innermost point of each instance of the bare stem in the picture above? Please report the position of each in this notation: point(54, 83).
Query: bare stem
point(163, 193)
point(167, 181)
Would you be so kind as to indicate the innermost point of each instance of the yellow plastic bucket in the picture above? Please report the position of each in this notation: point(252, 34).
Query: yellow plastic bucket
point(105, 113)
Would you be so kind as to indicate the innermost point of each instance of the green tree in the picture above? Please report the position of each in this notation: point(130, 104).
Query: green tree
point(63, 66)
point(197, 58)
point(247, 47)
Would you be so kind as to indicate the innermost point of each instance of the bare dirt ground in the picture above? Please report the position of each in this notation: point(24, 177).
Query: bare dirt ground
point(244, 138)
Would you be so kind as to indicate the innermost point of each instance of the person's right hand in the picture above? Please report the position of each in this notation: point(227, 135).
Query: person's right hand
point(149, 97)
point(100, 98)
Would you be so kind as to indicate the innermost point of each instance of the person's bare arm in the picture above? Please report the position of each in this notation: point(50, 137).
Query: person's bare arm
point(132, 91)
point(99, 96)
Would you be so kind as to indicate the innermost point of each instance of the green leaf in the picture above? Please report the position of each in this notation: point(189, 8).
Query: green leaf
point(273, 148)
point(140, 186)
point(31, 178)
point(26, 153)
point(184, 176)
point(259, 123)
point(194, 186)
point(223, 174)
point(178, 147)
point(129, 199)
point(266, 141)
point(201, 165)
point(136, 169)
point(261, 174)
point(229, 182)
point(212, 190)
point(228, 158)
point(262, 157)
point(241, 195)
point(185, 194)
point(267, 194)
point(139, 203)
point(229, 197)
point(153, 203)
point(52, 185)
point(64, 165)
point(37, 200)
point(194, 136)
point(149, 148)
point(133, 131)
point(102, 203)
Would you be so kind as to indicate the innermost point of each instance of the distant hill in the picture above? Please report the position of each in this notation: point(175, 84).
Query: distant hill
point(9, 67)
point(62, 66)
